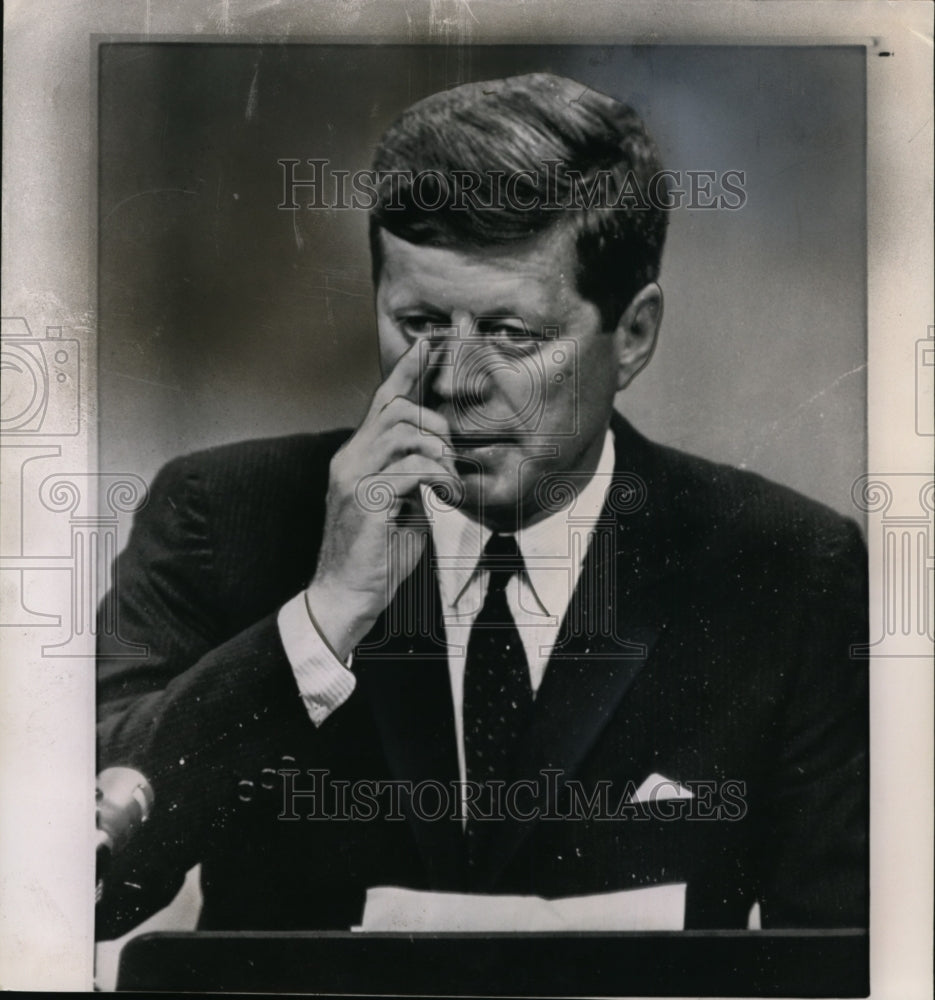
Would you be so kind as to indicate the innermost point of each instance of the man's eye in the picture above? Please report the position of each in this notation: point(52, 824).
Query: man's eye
point(508, 329)
point(419, 326)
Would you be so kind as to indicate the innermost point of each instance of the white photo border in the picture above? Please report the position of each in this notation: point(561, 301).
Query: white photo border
point(49, 272)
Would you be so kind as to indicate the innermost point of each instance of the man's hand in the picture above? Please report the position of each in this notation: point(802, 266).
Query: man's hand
point(399, 444)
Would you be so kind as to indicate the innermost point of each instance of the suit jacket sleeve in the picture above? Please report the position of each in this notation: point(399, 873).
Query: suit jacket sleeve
point(204, 706)
point(816, 801)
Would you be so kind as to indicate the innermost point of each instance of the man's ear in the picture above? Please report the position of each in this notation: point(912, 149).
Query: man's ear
point(636, 333)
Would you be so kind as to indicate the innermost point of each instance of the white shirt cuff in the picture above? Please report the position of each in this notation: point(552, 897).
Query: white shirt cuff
point(325, 683)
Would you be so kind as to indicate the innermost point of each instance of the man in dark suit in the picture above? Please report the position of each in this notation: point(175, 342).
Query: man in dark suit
point(494, 640)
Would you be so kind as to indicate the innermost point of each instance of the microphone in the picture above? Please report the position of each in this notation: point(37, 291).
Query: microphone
point(124, 800)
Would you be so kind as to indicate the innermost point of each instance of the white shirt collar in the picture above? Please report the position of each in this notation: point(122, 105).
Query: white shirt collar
point(459, 542)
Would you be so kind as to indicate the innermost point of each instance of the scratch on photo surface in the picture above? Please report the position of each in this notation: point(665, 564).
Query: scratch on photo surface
point(250, 112)
point(928, 121)
point(828, 388)
point(142, 194)
point(299, 241)
point(144, 381)
point(441, 22)
point(217, 216)
point(224, 17)
point(348, 272)
point(775, 425)
point(328, 289)
point(466, 6)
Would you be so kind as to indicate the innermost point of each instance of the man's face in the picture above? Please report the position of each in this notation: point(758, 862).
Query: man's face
point(517, 362)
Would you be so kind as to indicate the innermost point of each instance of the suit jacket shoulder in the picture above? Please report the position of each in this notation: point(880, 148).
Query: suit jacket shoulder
point(255, 509)
point(735, 525)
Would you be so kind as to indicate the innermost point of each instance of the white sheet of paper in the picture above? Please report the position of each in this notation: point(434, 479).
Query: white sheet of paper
point(655, 908)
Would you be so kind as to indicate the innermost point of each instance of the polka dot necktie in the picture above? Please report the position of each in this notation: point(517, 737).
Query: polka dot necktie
point(497, 690)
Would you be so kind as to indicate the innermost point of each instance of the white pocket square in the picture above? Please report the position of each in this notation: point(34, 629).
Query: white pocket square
point(659, 788)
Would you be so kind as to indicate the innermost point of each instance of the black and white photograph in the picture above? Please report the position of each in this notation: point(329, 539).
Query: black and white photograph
point(460, 515)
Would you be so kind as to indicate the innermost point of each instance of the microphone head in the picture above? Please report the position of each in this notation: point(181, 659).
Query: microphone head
point(124, 802)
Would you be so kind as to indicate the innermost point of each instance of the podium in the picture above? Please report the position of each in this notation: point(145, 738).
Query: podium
point(672, 963)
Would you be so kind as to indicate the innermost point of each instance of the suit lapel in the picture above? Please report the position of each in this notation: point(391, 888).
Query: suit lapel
point(606, 637)
point(402, 668)
point(588, 676)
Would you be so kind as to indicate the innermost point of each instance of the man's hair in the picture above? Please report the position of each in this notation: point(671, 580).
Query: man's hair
point(576, 157)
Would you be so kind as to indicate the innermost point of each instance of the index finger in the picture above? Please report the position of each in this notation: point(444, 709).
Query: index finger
point(406, 377)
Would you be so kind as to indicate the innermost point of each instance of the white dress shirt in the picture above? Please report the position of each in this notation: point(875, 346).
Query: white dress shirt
point(553, 552)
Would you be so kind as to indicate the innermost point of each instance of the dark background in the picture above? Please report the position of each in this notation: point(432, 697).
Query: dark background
point(222, 317)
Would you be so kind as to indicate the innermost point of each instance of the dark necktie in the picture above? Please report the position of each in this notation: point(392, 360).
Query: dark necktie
point(497, 691)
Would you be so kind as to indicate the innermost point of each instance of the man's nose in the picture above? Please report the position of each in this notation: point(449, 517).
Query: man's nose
point(445, 360)
point(441, 383)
